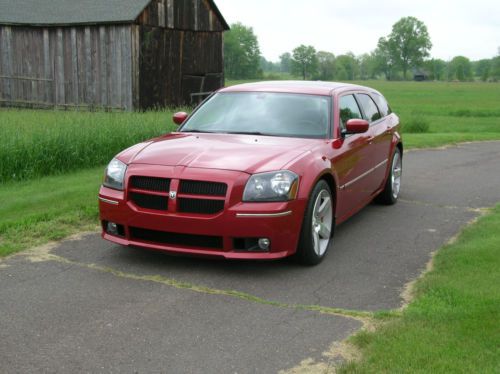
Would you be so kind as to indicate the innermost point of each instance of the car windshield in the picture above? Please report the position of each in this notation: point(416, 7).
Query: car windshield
point(263, 113)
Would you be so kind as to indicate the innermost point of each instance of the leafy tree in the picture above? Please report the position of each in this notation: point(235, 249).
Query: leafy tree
point(460, 68)
point(326, 65)
point(495, 68)
point(383, 59)
point(367, 66)
point(347, 67)
point(285, 61)
point(482, 69)
point(241, 52)
point(436, 68)
point(269, 66)
point(304, 61)
point(409, 43)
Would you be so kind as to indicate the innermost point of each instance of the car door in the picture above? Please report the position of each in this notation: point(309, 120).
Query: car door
point(353, 162)
point(379, 140)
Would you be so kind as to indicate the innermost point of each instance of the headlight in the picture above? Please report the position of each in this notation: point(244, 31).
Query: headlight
point(274, 186)
point(115, 173)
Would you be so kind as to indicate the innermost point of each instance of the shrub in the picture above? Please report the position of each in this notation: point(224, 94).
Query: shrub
point(416, 124)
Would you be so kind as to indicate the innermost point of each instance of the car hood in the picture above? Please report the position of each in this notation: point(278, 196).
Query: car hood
point(246, 153)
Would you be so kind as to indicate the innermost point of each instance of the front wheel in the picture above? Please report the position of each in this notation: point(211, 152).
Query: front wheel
point(317, 228)
point(390, 194)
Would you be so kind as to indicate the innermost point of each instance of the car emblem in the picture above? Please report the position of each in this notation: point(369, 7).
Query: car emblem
point(173, 195)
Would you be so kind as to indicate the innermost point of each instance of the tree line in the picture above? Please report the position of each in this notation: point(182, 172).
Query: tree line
point(403, 54)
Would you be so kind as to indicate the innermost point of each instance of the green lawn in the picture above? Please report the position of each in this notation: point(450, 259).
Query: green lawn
point(50, 208)
point(452, 326)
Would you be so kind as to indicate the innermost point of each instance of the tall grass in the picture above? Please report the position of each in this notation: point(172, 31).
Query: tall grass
point(37, 143)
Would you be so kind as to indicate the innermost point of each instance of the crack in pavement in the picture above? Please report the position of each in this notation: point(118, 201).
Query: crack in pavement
point(43, 254)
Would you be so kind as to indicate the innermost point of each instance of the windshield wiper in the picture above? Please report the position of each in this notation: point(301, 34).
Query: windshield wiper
point(199, 131)
point(246, 133)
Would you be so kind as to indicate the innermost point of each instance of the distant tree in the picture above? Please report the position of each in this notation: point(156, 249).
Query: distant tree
point(347, 67)
point(241, 52)
point(383, 60)
point(285, 62)
point(269, 66)
point(409, 43)
point(326, 65)
point(482, 68)
point(304, 61)
point(460, 68)
point(495, 68)
point(367, 66)
point(436, 68)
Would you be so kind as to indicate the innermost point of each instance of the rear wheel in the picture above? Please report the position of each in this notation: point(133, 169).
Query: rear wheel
point(317, 228)
point(390, 194)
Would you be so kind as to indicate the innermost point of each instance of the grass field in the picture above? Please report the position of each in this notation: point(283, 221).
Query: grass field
point(35, 143)
point(453, 324)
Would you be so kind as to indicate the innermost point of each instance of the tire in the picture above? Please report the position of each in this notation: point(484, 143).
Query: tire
point(390, 194)
point(317, 229)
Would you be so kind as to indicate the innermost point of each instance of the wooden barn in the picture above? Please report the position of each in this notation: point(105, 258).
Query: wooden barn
point(109, 54)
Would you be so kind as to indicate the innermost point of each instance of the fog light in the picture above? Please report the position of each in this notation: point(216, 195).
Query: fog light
point(112, 228)
point(264, 243)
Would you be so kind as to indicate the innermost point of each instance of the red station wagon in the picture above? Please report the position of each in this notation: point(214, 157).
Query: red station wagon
point(257, 171)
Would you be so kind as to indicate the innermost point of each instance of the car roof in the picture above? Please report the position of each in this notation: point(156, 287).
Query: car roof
point(304, 87)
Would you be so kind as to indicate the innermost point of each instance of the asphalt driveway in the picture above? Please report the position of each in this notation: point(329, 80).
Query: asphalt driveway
point(87, 305)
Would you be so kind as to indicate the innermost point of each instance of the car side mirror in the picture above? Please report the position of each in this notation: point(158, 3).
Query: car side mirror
point(180, 117)
point(356, 126)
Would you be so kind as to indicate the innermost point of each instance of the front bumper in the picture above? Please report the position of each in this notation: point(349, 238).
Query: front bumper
point(185, 233)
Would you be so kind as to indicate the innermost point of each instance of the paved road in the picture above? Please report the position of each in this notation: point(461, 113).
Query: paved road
point(90, 306)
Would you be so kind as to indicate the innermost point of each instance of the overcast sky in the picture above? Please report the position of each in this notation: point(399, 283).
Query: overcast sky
point(461, 27)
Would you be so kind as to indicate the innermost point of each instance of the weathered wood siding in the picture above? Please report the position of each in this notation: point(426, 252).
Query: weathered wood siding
point(194, 15)
point(87, 66)
point(174, 64)
point(171, 53)
point(181, 52)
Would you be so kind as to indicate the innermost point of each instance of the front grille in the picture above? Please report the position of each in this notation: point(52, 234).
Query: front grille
point(149, 201)
point(203, 188)
point(200, 206)
point(189, 240)
point(150, 183)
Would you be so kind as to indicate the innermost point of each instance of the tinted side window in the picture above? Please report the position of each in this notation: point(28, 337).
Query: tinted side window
point(348, 109)
point(369, 107)
point(383, 107)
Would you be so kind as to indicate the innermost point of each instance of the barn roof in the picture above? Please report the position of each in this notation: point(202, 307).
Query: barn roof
point(76, 12)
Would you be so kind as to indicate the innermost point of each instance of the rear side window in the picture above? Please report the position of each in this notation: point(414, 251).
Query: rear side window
point(348, 109)
point(369, 107)
point(382, 104)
